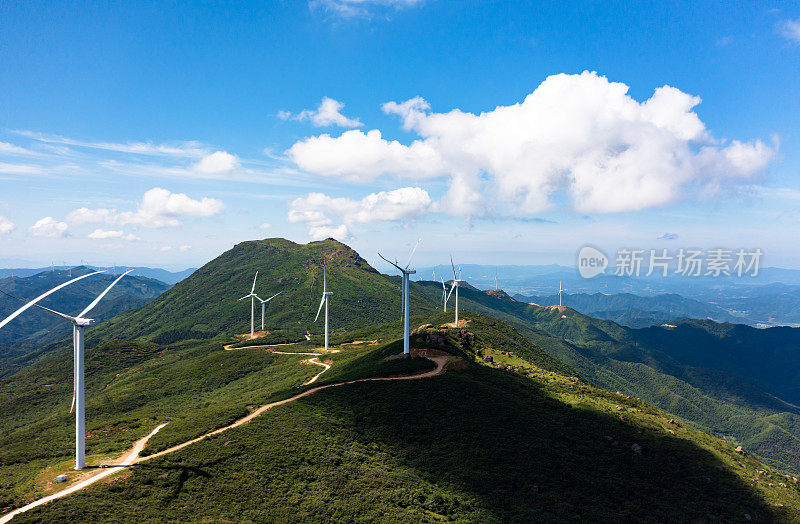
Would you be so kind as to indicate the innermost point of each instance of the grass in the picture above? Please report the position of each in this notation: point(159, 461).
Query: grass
point(475, 444)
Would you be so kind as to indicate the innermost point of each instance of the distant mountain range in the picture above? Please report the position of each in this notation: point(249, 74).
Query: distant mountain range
point(638, 311)
point(155, 273)
point(544, 280)
point(770, 299)
point(36, 328)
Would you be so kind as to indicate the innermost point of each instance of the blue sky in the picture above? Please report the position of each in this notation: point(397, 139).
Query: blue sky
point(163, 134)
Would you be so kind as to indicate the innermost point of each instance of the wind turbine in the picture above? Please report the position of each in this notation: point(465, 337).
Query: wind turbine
point(496, 285)
point(560, 289)
point(406, 305)
point(444, 295)
point(325, 295)
point(79, 325)
point(252, 296)
point(263, 302)
point(456, 280)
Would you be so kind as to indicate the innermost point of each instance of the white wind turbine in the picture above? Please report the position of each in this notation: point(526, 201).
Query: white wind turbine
point(560, 289)
point(263, 303)
point(456, 280)
point(444, 295)
point(325, 295)
point(79, 325)
point(252, 296)
point(406, 305)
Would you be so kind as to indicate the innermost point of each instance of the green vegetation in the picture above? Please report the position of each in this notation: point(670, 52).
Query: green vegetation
point(205, 304)
point(521, 410)
point(735, 381)
point(474, 444)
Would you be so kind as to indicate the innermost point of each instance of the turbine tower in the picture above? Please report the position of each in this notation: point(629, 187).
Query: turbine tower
point(79, 325)
point(252, 296)
point(456, 280)
point(444, 295)
point(263, 303)
point(325, 295)
point(560, 289)
point(496, 285)
point(406, 305)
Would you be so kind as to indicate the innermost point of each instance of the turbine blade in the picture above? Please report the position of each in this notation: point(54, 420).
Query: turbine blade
point(454, 268)
point(62, 315)
point(451, 290)
point(253, 289)
point(389, 261)
point(412, 252)
point(324, 280)
point(33, 302)
point(321, 302)
point(244, 297)
point(273, 296)
point(100, 297)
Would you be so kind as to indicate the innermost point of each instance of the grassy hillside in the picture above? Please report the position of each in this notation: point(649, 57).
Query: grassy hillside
point(205, 304)
point(732, 380)
point(518, 440)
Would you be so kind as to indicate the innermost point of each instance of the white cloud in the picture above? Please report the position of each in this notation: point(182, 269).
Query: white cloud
point(575, 134)
point(20, 169)
point(265, 225)
point(6, 226)
point(102, 234)
point(362, 157)
point(186, 149)
point(217, 162)
point(48, 227)
point(353, 8)
point(316, 210)
point(184, 248)
point(321, 232)
point(790, 29)
point(11, 149)
point(158, 208)
point(329, 113)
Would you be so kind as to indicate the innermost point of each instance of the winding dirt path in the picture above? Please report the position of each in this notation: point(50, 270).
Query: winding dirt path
point(127, 461)
point(133, 457)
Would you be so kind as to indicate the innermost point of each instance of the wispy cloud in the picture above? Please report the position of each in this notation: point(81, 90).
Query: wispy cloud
point(790, 29)
point(20, 169)
point(359, 8)
point(11, 149)
point(182, 149)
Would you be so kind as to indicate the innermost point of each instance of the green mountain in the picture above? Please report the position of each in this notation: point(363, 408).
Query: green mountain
point(164, 362)
point(519, 438)
point(36, 328)
point(206, 304)
point(738, 403)
point(741, 387)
